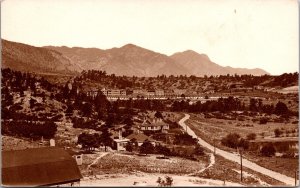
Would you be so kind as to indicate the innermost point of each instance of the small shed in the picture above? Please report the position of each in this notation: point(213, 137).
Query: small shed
point(44, 166)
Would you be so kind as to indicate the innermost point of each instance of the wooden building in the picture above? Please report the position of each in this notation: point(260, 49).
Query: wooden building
point(46, 166)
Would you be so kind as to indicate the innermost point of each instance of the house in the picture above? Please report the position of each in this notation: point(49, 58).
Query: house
point(179, 92)
point(159, 92)
point(150, 93)
point(122, 92)
point(120, 142)
point(113, 92)
point(140, 138)
point(45, 166)
point(155, 124)
point(92, 93)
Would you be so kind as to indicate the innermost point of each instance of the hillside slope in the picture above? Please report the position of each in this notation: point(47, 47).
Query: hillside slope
point(200, 65)
point(128, 60)
point(22, 57)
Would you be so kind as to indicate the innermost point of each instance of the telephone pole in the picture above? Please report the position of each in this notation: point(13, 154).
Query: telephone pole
point(214, 147)
point(241, 156)
point(296, 173)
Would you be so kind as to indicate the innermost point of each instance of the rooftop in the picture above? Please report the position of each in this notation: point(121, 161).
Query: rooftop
point(38, 167)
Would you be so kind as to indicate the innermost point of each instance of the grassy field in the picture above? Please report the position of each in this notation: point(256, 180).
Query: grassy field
point(230, 171)
point(125, 163)
point(212, 130)
point(219, 128)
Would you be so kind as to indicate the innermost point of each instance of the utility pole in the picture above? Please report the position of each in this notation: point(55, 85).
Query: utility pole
point(224, 174)
point(241, 155)
point(296, 173)
point(214, 147)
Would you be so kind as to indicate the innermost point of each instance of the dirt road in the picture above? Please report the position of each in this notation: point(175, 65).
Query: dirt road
point(235, 158)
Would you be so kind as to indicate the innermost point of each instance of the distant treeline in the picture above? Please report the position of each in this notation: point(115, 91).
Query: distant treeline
point(122, 82)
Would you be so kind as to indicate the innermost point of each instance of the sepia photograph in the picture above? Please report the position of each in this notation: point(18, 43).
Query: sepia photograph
point(168, 93)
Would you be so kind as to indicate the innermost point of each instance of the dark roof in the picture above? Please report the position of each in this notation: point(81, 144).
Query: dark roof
point(38, 167)
point(139, 137)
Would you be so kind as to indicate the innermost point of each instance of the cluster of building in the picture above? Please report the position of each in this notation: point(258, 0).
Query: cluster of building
point(123, 92)
point(156, 125)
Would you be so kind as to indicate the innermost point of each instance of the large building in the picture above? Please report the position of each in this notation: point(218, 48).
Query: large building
point(159, 92)
point(155, 124)
point(46, 166)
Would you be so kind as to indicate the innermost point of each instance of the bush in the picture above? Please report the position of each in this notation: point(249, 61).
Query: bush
point(268, 150)
point(251, 136)
point(231, 140)
point(243, 143)
point(263, 121)
point(277, 132)
point(199, 150)
point(147, 147)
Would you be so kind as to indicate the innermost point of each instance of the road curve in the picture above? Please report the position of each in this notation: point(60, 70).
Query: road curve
point(235, 158)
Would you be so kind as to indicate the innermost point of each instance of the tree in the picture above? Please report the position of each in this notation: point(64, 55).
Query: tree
point(185, 139)
point(105, 138)
point(89, 141)
point(129, 146)
point(87, 109)
point(277, 132)
point(199, 150)
point(281, 109)
point(158, 115)
point(32, 102)
point(251, 136)
point(268, 150)
point(231, 140)
point(162, 150)
point(243, 143)
point(147, 147)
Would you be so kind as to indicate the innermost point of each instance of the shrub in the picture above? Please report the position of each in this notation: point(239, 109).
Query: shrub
point(231, 140)
point(268, 150)
point(147, 147)
point(243, 143)
point(199, 150)
point(263, 121)
point(251, 136)
point(277, 132)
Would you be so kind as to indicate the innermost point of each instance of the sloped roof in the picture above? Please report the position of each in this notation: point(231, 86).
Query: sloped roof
point(38, 167)
point(139, 137)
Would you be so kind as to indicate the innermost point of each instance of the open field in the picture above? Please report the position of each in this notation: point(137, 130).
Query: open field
point(212, 130)
point(126, 163)
point(149, 179)
point(230, 171)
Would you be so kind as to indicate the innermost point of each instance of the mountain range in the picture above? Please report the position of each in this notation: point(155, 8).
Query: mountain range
point(128, 60)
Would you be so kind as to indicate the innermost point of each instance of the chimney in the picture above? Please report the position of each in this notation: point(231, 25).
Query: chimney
point(120, 134)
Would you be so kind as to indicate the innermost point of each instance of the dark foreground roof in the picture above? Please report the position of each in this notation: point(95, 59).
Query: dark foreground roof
point(38, 167)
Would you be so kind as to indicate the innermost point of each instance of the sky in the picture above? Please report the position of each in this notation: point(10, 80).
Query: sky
point(245, 34)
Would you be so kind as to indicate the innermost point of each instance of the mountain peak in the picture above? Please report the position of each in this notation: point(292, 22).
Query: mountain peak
point(189, 52)
point(130, 46)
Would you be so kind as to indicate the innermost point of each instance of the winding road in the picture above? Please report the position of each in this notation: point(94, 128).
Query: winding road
point(235, 158)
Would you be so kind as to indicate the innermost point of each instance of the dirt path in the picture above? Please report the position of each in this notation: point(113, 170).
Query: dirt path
point(96, 160)
point(232, 157)
point(211, 163)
